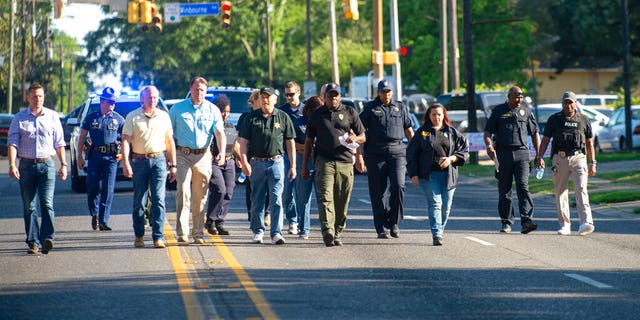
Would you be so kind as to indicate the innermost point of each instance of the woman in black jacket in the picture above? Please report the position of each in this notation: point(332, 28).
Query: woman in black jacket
point(433, 156)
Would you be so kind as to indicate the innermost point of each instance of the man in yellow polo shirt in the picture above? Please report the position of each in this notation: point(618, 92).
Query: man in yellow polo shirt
point(147, 150)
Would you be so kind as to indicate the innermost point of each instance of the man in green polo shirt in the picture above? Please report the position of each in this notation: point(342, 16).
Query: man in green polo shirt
point(334, 131)
point(263, 134)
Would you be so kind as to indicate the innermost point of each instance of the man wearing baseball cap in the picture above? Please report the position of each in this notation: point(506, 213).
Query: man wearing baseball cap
point(263, 135)
point(384, 155)
point(571, 147)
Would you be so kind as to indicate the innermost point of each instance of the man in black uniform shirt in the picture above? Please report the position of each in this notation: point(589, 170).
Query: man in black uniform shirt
point(386, 123)
point(510, 123)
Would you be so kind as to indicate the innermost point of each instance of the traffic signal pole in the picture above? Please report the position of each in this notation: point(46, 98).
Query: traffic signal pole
point(378, 66)
point(395, 46)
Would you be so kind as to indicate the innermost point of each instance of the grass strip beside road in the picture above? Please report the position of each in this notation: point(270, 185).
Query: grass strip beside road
point(614, 196)
point(626, 176)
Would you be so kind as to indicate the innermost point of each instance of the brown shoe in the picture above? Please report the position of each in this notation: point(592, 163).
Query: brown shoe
point(182, 239)
point(47, 246)
point(159, 244)
point(198, 241)
point(139, 243)
point(33, 249)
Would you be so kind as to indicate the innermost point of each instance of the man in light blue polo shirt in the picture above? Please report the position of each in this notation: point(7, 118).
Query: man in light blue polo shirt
point(195, 121)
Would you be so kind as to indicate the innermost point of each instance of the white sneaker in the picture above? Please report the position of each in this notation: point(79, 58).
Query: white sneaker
point(277, 239)
point(565, 231)
point(257, 237)
point(293, 228)
point(585, 229)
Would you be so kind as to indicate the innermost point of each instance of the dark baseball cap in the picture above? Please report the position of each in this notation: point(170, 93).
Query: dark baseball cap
point(333, 87)
point(384, 85)
point(268, 90)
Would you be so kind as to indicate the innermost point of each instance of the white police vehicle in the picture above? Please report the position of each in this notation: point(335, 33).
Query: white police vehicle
point(127, 102)
point(238, 96)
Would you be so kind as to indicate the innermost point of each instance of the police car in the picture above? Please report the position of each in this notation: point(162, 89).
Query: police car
point(127, 102)
point(238, 96)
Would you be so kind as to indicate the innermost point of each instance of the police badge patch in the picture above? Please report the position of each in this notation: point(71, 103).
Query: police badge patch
point(340, 116)
point(522, 112)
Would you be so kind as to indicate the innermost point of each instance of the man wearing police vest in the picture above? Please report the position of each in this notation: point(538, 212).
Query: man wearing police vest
point(572, 139)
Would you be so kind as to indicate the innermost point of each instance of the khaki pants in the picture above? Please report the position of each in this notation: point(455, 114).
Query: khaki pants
point(194, 172)
point(576, 168)
point(334, 182)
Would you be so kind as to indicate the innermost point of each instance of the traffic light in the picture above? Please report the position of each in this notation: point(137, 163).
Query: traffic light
point(405, 51)
point(147, 11)
point(58, 5)
point(156, 22)
point(225, 17)
point(350, 8)
point(133, 11)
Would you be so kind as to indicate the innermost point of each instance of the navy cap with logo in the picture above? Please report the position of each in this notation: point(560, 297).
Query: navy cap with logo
point(333, 87)
point(268, 90)
point(108, 94)
point(384, 85)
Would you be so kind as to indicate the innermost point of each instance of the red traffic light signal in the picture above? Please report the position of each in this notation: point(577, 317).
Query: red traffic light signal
point(405, 51)
point(225, 17)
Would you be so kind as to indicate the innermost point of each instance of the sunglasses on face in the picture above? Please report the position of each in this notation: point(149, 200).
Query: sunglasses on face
point(291, 94)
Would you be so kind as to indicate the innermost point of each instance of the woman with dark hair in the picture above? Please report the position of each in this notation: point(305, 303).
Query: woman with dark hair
point(433, 156)
point(222, 180)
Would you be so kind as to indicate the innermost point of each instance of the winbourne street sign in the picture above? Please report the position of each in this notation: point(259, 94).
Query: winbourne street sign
point(173, 11)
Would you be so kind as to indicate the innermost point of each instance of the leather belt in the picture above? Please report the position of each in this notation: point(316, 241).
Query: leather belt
point(186, 150)
point(392, 143)
point(267, 159)
point(108, 148)
point(36, 160)
point(147, 155)
point(564, 154)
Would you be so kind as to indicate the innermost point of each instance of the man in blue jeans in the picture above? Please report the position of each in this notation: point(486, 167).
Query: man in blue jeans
point(36, 136)
point(263, 136)
point(146, 137)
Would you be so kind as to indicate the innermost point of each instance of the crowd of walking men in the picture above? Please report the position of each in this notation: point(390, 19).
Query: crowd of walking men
point(285, 152)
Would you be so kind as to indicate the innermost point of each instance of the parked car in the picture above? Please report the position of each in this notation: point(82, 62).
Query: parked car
point(357, 104)
point(601, 102)
point(127, 102)
point(418, 104)
point(612, 135)
point(239, 97)
point(5, 123)
point(68, 127)
point(456, 105)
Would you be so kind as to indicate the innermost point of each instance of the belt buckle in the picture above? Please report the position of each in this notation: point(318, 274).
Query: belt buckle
point(102, 149)
point(562, 154)
point(186, 150)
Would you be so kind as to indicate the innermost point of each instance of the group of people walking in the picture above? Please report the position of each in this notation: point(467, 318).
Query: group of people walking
point(285, 152)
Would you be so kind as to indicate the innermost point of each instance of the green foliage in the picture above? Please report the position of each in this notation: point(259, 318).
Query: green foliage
point(614, 196)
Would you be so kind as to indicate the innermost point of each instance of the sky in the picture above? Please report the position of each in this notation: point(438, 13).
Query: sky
point(77, 20)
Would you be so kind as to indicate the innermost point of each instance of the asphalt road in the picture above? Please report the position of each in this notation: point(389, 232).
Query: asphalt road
point(477, 274)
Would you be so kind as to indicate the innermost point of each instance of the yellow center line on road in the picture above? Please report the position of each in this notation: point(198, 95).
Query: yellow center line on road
point(191, 304)
point(249, 286)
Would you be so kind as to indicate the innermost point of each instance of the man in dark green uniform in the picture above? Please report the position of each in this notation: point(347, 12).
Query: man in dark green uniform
point(263, 134)
point(336, 131)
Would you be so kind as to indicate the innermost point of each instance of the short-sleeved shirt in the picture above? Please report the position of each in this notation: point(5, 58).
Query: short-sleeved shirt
point(36, 136)
point(510, 127)
point(568, 134)
point(193, 126)
point(147, 132)
point(103, 130)
point(385, 125)
point(325, 126)
point(266, 135)
point(298, 119)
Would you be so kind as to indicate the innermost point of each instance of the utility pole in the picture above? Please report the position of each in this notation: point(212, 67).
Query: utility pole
point(469, 71)
point(626, 75)
point(378, 45)
point(308, 40)
point(335, 75)
point(443, 46)
point(23, 52)
point(269, 50)
point(453, 41)
point(12, 39)
point(395, 46)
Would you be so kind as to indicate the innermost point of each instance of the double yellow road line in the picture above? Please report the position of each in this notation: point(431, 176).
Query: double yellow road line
point(185, 286)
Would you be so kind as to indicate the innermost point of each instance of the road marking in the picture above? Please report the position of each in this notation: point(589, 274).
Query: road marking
point(482, 242)
point(191, 305)
point(249, 286)
point(414, 218)
point(365, 201)
point(588, 280)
